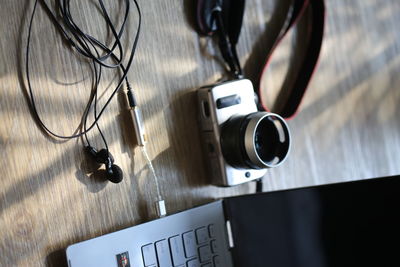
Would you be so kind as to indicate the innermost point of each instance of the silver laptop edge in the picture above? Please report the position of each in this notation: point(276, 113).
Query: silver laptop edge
point(106, 250)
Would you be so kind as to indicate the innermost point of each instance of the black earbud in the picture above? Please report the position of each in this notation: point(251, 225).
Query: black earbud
point(114, 172)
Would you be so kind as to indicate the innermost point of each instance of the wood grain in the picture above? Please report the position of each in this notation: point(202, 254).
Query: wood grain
point(50, 197)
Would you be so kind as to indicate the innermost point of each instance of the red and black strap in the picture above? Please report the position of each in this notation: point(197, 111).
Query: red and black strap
point(310, 60)
point(224, 18)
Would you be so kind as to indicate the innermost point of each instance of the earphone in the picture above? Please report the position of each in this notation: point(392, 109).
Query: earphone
point(113, 172)
point(97, 54)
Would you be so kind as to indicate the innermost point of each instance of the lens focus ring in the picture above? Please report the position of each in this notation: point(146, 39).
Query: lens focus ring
point(257, 140)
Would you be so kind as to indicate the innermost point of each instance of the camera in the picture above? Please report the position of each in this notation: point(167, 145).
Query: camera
point(239, 142)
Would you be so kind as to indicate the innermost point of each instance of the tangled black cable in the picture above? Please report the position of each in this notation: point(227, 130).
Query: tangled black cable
point(95, 51)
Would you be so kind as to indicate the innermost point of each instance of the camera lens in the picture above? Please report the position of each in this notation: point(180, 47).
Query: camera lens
point(257, 140)
point(264, 137)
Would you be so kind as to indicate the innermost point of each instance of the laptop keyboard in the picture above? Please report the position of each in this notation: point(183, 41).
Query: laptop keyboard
point(197, 248)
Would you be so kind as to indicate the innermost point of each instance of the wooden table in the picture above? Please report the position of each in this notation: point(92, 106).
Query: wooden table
point(348, 127)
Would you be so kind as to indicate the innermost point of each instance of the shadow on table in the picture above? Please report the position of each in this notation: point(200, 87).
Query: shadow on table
point(57, 258)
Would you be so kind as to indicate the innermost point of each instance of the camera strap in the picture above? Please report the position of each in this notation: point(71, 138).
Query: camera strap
point(225, 17)
point(314, 37)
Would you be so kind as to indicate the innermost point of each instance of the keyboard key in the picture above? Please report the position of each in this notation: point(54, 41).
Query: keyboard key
point(163, 253)
point(205, 253)
point(214, 246)
point(207, 265)
point(178, 255)
point(211, 230)
point(217, 261)
point(189, 243)
point(201, 235)
point(193, 263)
point(149, 255)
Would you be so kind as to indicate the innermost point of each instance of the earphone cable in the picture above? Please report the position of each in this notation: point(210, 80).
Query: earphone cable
point(84, 49)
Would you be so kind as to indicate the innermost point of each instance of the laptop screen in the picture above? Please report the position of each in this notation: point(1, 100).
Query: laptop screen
point(346, 224)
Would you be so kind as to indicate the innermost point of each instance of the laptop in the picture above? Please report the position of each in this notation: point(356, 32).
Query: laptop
point(345, 224)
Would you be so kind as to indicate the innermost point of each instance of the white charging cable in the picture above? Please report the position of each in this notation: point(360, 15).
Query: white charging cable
point(141, 140)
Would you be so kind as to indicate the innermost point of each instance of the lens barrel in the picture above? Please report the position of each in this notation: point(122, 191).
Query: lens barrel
point(257, 140)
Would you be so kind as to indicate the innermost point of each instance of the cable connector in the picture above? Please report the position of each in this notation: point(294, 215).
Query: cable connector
point(131, 97)
point(136, 117)
point(160, 208)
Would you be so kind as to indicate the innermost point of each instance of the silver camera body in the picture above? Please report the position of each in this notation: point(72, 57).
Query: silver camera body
point(239, 143)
